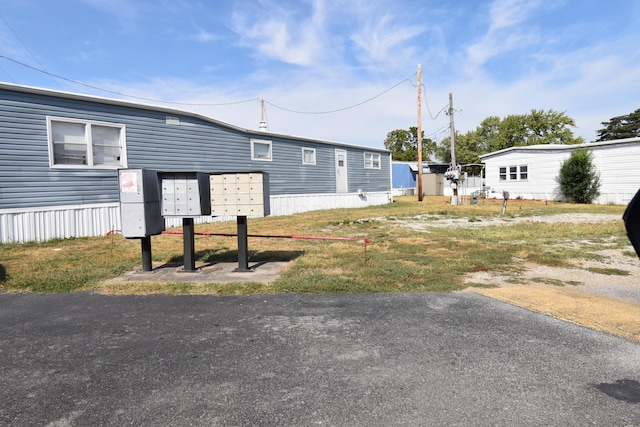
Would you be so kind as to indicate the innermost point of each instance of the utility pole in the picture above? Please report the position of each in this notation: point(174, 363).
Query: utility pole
point(454, 166)
point(453, 132)
point(419, 133)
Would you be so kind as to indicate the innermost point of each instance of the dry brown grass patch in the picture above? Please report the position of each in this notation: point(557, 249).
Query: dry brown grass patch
point(413, 241)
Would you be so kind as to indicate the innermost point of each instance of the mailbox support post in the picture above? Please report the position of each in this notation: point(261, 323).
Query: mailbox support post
point(189, 245)
point(505, 195)
point(145, 243)
point(243, 253)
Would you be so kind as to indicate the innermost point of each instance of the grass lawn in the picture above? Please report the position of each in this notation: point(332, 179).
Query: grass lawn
point(415, 246)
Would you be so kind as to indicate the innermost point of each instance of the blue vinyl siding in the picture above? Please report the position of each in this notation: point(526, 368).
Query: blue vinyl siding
point(197, 144)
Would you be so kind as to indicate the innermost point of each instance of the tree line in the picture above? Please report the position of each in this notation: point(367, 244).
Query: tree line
point(495, 133)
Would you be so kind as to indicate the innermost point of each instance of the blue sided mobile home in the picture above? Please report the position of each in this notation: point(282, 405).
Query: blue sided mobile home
point(60, 152)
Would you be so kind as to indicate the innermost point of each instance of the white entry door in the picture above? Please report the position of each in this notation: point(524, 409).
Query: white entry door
point(341, 171)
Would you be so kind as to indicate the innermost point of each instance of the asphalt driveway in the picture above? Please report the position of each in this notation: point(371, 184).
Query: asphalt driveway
point(455, 359)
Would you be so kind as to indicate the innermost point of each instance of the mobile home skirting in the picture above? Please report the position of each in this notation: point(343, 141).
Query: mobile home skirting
point(47, 223)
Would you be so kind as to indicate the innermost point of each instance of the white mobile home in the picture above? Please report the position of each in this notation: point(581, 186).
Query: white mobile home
point(532, 172)
point(60, 153)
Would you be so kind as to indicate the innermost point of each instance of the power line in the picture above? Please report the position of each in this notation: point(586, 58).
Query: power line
point(205, 104)
point(441, 130)
point(426, 101)
point(8, 75)
point(124, 94)
point(25, 46)
point(341, 109)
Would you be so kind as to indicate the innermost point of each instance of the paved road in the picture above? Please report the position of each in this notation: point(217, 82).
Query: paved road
point(456, 359)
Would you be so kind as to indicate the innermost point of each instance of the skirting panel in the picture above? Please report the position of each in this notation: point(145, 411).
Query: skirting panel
point(37, 225)
point(41, 224)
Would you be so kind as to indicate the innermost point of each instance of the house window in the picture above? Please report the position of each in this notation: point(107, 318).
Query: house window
point(79, 143)
point(371, 160)
point(503, 173)
point(524, 172)
point(308, 156)
point(513, 173)
point(260, 150)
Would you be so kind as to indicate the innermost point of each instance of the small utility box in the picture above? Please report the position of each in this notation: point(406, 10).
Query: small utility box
point(185, 194)
point(139, 203)
point(240, 194)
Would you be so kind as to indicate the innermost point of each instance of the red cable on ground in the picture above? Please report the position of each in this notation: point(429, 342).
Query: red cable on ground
point(352, 239)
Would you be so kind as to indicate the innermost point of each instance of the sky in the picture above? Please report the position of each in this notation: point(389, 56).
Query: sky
point(338, 70)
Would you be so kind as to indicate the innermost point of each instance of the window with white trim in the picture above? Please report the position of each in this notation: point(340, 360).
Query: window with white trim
point(372, 160)
point(513, 173)
point(524, 172)
point(82, 143)
point(308, 156)
point(503, 173)
point(260, 150)
point(520, 172)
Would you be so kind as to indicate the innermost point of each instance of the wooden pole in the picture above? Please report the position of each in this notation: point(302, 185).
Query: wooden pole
point(453, 132)
point(454, 165)
point(419, 133)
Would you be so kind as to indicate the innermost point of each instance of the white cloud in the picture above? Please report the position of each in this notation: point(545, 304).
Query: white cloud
point(204, 36)
point(283, 35)
point(378, 35)
point(383, 40)
point(506, 31)
point(508, 13)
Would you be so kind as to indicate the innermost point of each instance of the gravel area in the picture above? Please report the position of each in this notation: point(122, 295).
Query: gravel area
point(422, 222)
point(616, 275)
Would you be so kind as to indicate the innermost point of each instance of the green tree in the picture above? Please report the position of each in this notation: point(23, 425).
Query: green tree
point(550, 127)
point(403, 145)
point(536, 127)
point(579, 180)
point(488, 131)
point(627, 126)
point(468, 148)
point(493, 134)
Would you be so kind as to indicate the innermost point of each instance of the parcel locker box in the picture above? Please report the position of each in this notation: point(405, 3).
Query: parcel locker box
point(185, 194)
point(141, 219)
point(138, 185)
point(240, 194)
point(139, 203)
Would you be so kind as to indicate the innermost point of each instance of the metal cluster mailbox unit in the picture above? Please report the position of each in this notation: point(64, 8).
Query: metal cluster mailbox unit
point(241, 195)
point(185, 194)
point(245, 194)
point(147, 196)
